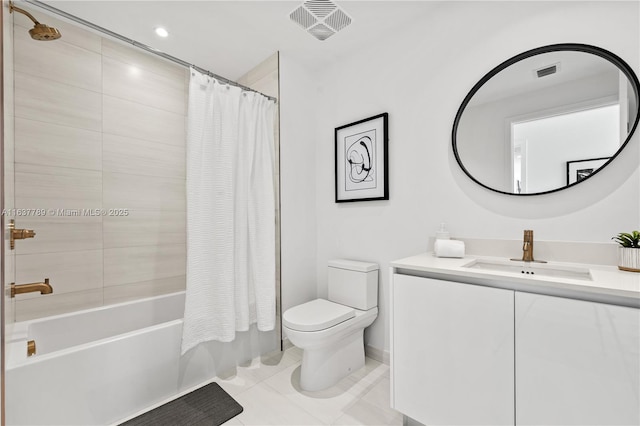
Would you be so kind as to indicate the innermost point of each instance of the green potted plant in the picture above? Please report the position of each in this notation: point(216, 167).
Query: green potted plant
point(629, 251)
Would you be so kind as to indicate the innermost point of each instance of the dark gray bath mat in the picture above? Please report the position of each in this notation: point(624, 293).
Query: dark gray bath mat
point(210, 405)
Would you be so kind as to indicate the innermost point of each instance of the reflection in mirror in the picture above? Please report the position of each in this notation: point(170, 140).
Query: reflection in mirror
point(546, 119)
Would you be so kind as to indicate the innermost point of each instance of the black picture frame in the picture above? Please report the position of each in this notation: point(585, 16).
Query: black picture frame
point(362, 160)
point(579, 170)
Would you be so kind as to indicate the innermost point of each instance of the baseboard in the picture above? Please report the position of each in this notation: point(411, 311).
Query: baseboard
point(377, 354)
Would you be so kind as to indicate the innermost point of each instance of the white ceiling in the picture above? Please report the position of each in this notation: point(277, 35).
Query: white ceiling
point(231, 37)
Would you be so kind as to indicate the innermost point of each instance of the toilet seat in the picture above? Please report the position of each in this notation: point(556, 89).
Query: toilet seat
point(319, 314)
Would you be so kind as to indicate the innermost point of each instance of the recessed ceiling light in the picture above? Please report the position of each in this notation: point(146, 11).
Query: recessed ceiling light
point(162, 32)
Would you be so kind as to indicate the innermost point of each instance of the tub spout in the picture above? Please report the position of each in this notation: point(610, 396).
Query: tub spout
point(43, 288)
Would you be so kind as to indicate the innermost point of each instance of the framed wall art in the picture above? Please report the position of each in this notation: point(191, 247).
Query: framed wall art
point(362, 163)
point(581, 169)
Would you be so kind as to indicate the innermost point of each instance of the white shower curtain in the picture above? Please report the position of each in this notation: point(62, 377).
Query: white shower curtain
point(230, 212)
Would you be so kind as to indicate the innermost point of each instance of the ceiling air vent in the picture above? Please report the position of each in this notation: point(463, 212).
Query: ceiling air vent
point(320, 18)
point(548, 70)
point(321, 32)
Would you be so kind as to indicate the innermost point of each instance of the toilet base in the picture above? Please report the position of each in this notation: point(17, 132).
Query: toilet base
point(324, 366)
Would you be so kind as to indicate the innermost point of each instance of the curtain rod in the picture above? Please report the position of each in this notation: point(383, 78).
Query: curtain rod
point(141, 46)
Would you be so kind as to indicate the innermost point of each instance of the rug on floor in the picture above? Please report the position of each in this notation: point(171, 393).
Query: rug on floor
point(210, 405)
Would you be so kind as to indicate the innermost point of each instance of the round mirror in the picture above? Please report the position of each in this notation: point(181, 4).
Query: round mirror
point(546, 119)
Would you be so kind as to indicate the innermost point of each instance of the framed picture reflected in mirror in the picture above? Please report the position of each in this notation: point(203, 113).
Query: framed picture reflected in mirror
point(579, 170)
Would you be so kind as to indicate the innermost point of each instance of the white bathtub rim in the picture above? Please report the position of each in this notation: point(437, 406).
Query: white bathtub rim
point(22, 359)
point(16, 328)
point(17, 333)
point(95, 309)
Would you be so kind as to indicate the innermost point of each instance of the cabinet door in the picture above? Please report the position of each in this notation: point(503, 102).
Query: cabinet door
point(577, 362)
point(452, 352)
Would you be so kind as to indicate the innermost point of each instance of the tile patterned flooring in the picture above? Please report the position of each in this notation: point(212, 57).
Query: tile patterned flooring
point(269, 391)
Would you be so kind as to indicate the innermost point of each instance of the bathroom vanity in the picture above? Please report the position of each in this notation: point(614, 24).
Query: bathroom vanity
point(482, 340)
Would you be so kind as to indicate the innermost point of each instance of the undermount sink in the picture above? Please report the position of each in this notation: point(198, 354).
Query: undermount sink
point(529, 268)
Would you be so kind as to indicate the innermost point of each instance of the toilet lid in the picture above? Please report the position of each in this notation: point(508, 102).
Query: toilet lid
point(316, 315)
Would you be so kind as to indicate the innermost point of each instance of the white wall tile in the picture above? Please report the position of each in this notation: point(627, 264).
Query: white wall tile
point(141, 59)
point(45, 100)
point(143, 192)
point(145, 263)
point(125, 292)
point(60, 234)
point(49, 144)
point(59, 61)
point(60, 151)
point(54, 304)
point(141, 157)
point(145, 228)
point(67, 271)
point(8, 168)
point(263, 77)
point(9, 152)
point(134, 120)
point(130, 82)
point(9, 277)
point(46, 187)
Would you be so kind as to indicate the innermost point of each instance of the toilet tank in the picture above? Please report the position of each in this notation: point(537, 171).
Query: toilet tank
point(353, 283)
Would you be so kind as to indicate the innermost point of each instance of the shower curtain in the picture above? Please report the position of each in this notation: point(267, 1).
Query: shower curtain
point(230, 212)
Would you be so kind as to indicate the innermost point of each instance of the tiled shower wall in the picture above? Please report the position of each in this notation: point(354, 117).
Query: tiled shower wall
point(98, 125)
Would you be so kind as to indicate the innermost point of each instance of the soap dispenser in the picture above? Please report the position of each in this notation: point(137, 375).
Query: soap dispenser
point(442, 233)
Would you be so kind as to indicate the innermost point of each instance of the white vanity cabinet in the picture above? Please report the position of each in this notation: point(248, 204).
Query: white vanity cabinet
point(496, 348)
point(577, 362)
point(452, 352)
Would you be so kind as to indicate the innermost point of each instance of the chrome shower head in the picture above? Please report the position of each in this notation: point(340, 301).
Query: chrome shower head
point(39, 31)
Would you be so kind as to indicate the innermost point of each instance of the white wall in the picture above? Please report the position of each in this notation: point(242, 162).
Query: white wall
point(420, 76)
point(298, 98)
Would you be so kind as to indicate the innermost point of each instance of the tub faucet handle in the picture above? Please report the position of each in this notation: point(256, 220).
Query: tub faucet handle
point(18, 234)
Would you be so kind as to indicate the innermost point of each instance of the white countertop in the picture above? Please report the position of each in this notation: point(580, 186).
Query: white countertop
point(608, 284)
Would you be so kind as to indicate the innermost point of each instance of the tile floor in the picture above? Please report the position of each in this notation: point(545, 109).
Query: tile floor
point(269, 391)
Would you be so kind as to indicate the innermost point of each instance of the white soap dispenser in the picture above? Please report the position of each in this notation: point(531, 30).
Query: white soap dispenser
point(442, 233)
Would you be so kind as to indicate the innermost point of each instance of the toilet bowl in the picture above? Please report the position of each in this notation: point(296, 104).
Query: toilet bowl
point(331, 332)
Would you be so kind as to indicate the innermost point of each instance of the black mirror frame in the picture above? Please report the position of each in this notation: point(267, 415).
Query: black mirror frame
point(575, 47)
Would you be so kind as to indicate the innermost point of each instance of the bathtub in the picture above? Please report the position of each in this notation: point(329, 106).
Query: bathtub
point(98, 366)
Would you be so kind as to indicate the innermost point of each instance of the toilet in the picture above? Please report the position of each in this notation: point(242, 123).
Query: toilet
point(331, 332)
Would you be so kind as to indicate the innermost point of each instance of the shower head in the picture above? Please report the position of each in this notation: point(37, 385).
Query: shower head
point(44, 33)
point(39, 31)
